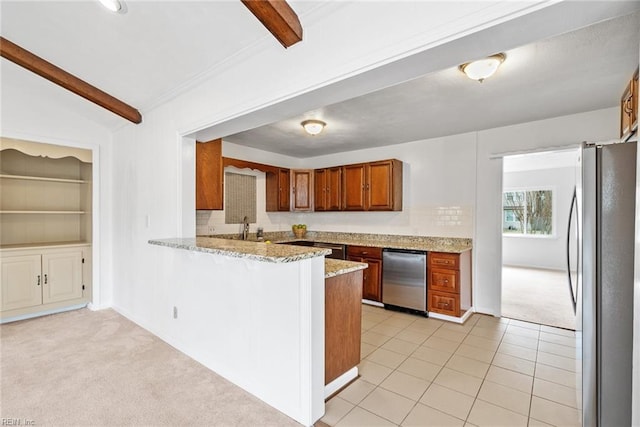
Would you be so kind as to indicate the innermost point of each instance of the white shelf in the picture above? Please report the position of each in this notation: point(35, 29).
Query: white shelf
point(44, 245)
point(40, 178)
point(45, 212)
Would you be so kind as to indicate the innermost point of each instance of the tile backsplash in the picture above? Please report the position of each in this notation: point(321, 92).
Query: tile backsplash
point(437, 220)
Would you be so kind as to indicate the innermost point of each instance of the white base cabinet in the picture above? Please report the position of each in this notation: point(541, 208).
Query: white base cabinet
point(21, 281)
point(38, 279)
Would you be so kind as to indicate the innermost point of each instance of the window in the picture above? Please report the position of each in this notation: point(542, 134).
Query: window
point(527, 212)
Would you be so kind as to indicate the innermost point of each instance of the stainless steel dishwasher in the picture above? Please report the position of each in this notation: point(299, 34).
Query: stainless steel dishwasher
point(404, 279)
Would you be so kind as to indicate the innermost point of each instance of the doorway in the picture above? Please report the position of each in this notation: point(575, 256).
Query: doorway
point(537, 198)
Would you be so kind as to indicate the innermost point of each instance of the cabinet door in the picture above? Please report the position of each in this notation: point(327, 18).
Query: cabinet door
point(21, 282)
point(629, 108)
point(353, 187)
point(333, 197)
point(302, 189)
point(380, 186)
point(372, 278)
point(320, 189)
point(62, 276)
point(209, 175)
point(371, 288)
point(284, 203)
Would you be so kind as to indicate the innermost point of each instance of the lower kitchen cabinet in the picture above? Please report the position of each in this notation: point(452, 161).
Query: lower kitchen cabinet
point(372, 281)
point(342, 319)
point(449, 283)
point(40, 279)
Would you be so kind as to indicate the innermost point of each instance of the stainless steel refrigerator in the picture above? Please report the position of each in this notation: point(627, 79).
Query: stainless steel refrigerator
point(604, 289)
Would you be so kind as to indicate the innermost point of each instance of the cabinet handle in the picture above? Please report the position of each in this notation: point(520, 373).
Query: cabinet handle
point(38, 280)
point(628, 105)
point(367, 186)
point(45, 279)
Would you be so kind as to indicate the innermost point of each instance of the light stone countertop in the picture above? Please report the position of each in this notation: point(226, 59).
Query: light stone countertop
point(418, 243)
point(257, 251)
point(336, 267)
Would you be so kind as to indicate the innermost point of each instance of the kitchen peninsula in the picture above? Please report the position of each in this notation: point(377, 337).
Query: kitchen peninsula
point(256, 313)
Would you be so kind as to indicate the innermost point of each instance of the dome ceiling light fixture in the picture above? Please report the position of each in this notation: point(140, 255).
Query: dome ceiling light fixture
point(483, 68)
point(313, 127)
point(116, 6)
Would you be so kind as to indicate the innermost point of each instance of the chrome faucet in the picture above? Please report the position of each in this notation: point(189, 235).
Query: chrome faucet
point(245, 228)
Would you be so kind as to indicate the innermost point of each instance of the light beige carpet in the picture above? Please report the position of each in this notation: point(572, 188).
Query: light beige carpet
point(89, 368)
point(538, 296)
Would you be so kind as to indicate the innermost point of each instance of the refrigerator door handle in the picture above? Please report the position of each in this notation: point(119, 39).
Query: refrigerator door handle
point(573, 208)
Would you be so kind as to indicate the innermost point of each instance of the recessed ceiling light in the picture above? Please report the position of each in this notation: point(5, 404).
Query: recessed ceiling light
point(113, 5)
point(483, 68)
point(313, 127)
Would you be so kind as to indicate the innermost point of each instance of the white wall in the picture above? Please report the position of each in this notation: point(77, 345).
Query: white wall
point(542, 251)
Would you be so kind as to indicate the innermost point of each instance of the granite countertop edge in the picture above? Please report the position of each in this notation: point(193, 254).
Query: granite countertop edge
point(420, 243)
point(257, 251)
point(337, 267)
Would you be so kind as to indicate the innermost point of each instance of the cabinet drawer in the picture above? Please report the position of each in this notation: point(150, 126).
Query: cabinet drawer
point(364, 251)
point(444, 303)
point(444, 280)
point(444, 260)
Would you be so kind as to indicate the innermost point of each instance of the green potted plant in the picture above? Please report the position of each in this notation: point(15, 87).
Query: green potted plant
point(299, 230)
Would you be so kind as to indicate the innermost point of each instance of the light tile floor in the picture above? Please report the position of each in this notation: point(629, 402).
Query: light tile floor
point(488, 372)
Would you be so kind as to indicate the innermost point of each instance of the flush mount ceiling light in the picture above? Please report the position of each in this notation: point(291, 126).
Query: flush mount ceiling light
point(114, 5)
point(483, 68)
point(313, 127)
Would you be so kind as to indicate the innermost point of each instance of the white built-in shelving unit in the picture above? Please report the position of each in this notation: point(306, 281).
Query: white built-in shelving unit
point(45, 227)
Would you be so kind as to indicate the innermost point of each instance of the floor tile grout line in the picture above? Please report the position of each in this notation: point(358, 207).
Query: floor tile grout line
point(533, 383)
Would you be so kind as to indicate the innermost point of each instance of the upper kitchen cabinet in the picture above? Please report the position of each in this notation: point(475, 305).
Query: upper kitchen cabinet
point(209, 175)
point(629, 109)
point(278, 183)
point(374, 186)
point(328, 189)
point(302, 190)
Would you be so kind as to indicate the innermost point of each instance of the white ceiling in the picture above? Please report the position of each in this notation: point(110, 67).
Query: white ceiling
point(159, 49)
point(143, 57)
point(580, 71)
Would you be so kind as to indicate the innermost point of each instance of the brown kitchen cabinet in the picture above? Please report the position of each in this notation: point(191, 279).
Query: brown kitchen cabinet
point(629, 109)
point(449, 283)
point(372, 281)
point(209, 175)
point(302, 190)
point(342, 319)
point(373, 186)
point(328, 189)
point(278, 187)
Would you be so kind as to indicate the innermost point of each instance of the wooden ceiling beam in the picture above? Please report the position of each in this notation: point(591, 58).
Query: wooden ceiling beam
point(279, 18)
point(43, 68)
